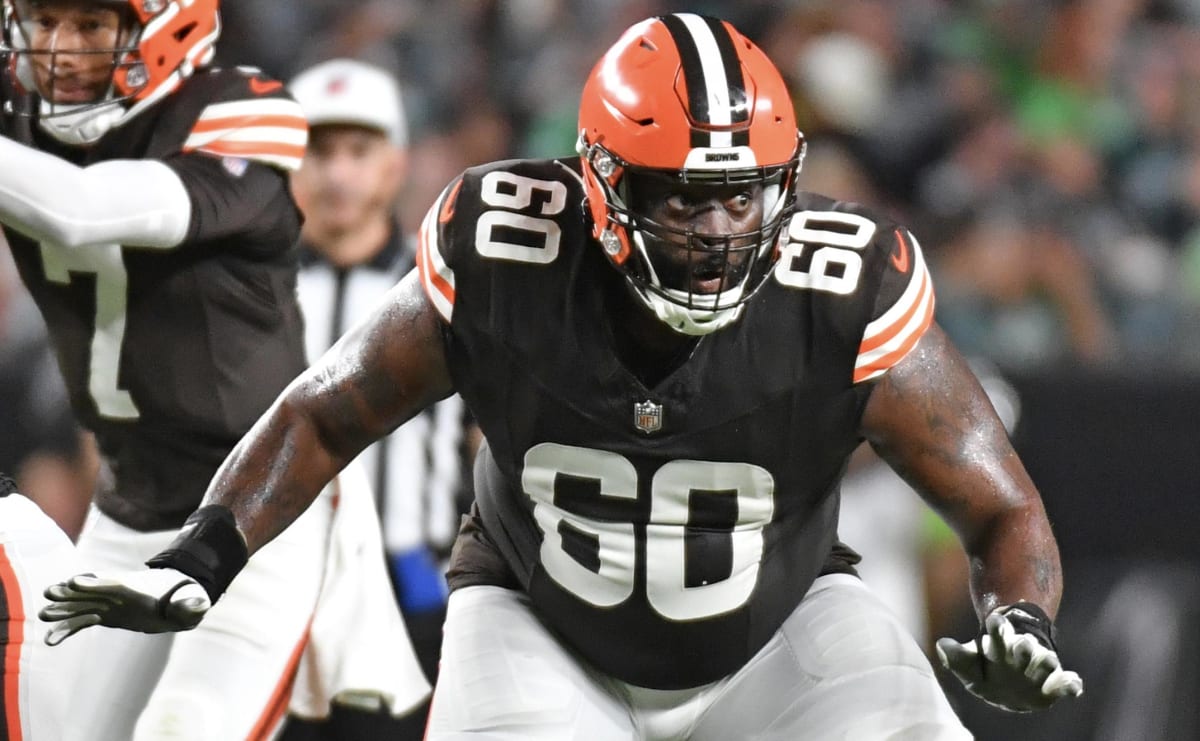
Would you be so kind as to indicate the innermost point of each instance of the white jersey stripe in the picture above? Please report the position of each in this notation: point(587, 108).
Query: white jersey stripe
point(888, 339)
point(719, 108)
point(270, 134)
point(914, 325)
point(253, 107)
point(906, 301)
point(436, 276)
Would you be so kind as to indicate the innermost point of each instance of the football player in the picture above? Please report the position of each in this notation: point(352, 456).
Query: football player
point(145, 197)
point(671, 352)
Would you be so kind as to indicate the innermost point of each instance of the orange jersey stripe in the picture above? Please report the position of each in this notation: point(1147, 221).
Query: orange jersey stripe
point(278, 704)
point(887, 361)
point(11, 669)
point(205, 126)
point(429, 276)
point(881, 337)
point(447, 211)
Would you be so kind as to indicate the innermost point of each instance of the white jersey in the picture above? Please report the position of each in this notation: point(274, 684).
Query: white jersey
point(34, 553)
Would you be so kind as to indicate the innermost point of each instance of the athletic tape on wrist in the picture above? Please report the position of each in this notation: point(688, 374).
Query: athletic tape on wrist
point(209, 549)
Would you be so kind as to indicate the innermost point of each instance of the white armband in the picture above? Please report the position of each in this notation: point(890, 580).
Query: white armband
point(135, 203)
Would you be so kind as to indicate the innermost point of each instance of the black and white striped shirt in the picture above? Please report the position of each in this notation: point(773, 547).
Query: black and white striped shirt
point(419, 471)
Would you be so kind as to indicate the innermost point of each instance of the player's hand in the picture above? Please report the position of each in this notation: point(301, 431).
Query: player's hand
point(1019, 669)
point(147, 601)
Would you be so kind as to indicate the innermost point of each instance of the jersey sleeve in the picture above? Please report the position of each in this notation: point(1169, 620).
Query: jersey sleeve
point(903, 308)
point(234, 199)
point(252, 119)
point(433, 244)
point(234, 159)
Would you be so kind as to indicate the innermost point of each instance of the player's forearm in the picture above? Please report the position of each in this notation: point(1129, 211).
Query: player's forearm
point(278, 469)
point(136, 203)
point(1015, 559)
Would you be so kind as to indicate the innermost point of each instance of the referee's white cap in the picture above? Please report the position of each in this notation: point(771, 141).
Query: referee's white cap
point(347, 91)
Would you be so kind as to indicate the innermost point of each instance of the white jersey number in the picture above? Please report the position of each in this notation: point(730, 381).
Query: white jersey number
point(836, 239)
point(609, 579)
point(104, 262)
point(511, 235)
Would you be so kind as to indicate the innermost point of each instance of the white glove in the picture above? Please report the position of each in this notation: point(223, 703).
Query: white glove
point(1019, 669)
point(147, 601)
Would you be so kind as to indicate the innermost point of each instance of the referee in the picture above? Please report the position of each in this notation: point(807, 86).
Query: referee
point(353, 251)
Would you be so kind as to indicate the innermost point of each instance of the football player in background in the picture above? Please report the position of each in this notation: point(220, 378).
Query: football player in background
point(145, 198)
point(671, 353)
point(352, 252)
point(34, 552)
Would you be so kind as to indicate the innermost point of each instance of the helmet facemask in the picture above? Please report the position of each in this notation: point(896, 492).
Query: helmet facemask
point(140, 66)
point(687, 100)
point(40, 66)
point(694, 282)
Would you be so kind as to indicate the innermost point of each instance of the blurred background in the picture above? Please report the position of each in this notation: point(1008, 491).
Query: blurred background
point(1046, 153)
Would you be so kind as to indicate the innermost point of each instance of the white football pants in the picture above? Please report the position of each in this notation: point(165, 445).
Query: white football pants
point(228, 679)
point(34, 553)
point(841, 668)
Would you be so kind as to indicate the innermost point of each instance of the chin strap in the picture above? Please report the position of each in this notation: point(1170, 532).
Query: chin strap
point(80, 125)
point(691, 322)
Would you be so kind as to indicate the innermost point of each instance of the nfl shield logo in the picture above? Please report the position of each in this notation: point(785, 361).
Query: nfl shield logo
point(647, 416)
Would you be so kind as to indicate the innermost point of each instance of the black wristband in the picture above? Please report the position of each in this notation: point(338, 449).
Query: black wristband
point(1027, 617)
point(209, 548)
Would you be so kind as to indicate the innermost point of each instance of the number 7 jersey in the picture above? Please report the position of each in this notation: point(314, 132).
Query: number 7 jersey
point(169, 355)
point(663, 532)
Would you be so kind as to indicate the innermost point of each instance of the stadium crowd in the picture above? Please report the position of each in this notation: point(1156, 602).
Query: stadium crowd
point(1047, 153)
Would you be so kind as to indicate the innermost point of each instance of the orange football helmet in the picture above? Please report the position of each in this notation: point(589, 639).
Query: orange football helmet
point(688, 97)
point(164, 43)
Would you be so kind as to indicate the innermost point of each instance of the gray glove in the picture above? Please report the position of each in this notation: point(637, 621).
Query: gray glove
point(147, 601)
point(1014, 663)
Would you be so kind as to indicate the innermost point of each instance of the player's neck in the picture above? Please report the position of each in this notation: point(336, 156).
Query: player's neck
point(349, 247)
point(644, 345)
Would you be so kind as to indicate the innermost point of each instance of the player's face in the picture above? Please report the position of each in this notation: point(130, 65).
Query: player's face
point(72, 43)
point(348, 179)
point(710, 234)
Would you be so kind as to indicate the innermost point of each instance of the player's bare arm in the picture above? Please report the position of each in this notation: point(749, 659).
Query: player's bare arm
point(932, 422)
point(377, 377)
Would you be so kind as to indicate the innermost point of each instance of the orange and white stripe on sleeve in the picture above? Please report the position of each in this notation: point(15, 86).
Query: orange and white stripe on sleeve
point(272, 131)
point(887, 339)
point(436, 276)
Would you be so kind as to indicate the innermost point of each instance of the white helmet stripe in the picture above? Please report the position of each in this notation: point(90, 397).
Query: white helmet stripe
point(712, 74)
